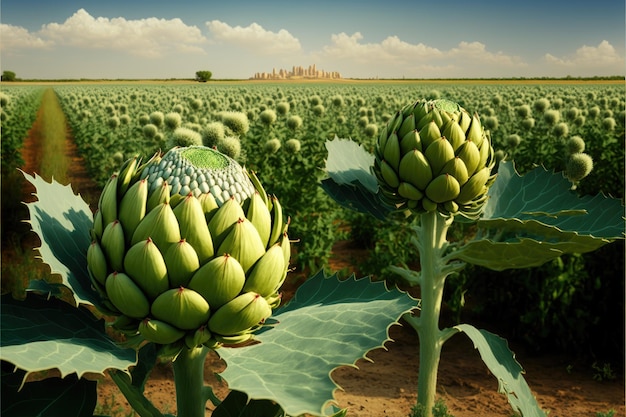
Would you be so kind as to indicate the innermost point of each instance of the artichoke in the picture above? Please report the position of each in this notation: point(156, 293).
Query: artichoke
point(188, 249)
point(434, 155)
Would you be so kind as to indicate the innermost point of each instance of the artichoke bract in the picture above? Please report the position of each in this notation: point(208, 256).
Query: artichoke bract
point(188, 249)
point(434, 155)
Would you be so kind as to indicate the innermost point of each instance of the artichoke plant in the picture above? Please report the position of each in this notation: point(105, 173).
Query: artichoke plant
point(434, 155)
point(435, 160)
point(188, 250)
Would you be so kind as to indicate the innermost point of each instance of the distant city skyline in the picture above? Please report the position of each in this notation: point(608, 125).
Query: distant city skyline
point(160, 39)
point(297, 72)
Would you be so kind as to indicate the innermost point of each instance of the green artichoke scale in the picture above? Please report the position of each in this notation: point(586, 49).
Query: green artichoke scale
point(175, 240)
point(434, 155)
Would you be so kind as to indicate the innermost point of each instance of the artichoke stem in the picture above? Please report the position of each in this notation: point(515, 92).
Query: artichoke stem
point(191, 397)
point(432, 236)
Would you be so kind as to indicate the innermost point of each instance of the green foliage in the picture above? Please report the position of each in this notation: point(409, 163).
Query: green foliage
point(19, 110)
point(387, 246)
point(502, 363)
point(439, 410)
point(203, 76)
point(8, 76)
point(328, 323)
point(568, 304)
point(64, 232)
point(532, 219)
point(295, 372)
point(39, 334)
point(51, 397)
point(519, 109)
point(603, 372)
point(527, 221)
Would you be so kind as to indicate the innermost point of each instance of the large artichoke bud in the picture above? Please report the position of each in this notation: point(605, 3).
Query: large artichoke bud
point(434, 155)
point(188, 249)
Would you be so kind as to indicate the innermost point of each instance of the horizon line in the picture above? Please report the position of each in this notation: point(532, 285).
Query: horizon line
point(568, 77)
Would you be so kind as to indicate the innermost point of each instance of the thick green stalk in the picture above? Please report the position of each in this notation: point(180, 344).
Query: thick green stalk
point(432, 244)
point(191, 396)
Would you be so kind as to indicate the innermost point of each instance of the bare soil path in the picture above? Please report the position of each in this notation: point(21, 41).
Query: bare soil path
point(384, 386)
point(49, 151)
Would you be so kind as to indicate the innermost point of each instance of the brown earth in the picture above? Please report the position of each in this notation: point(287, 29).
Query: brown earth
point(386, 385)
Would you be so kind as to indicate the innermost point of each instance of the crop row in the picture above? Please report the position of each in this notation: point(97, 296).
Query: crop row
point(18, 109)
point(279, 131)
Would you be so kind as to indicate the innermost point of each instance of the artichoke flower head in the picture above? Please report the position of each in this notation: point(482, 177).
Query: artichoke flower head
point(188, 249)
point(434, 155)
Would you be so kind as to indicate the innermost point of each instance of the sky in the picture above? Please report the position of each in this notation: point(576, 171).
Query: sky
point(162, 39)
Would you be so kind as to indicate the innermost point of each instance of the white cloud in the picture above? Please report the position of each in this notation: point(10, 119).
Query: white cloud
point(476, 51)
point(255, 38)
point(17, 37)
point(149, 37)
point(590, 57)
point(390, 49)
point(394, 57)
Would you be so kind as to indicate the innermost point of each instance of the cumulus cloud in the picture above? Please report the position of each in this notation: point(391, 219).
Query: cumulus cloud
point(149, 37)
point(602, 56)
point(392, 48)
point(417, 59)
point(17, 37)
point(477, 51)
point(255, 38)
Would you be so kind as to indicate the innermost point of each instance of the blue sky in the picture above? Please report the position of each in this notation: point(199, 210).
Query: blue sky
point(361, 39)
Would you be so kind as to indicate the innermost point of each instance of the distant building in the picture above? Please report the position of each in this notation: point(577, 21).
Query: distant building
point(297, 72)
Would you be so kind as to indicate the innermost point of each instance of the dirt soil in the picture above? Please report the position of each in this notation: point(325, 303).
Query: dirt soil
point(386, 384)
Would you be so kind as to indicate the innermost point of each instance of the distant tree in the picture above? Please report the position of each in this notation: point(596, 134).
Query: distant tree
point(8, 76)
point(203, 76)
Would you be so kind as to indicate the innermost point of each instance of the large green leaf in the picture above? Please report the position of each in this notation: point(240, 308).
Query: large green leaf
point(495, 352)
point(63, 220)
point(328, 323)
point(50, 397)
point(237, 404)
point(348, 162)
point(39, 334)
point(351, 183)
point(534, 218)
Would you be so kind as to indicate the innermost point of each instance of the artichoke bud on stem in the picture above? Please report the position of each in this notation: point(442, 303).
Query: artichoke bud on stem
point(435, 155)
point(188, 250)
point(433, 161)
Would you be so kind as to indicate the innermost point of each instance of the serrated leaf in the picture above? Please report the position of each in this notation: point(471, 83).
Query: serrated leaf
point(62, 221)
point(50, 397)
point(526, 253)
point(39, 334)
point(46, 288)
point(328, 323)
point(546, 197)
point(351, 183)
point(356, 198)
point(532, 219)
point(496, 354)
point(237, 404)
point(349, 162)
